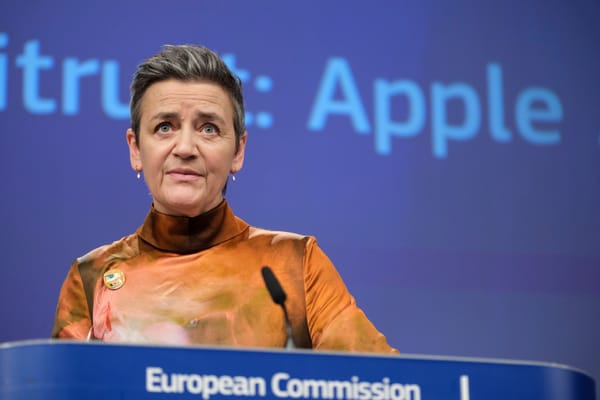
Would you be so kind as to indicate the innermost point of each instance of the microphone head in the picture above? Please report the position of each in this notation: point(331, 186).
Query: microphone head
point(273, 286)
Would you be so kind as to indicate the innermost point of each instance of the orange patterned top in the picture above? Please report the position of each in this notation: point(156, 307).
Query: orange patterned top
point(198, 281)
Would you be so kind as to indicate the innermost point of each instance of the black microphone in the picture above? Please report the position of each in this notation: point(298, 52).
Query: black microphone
point(278, 296)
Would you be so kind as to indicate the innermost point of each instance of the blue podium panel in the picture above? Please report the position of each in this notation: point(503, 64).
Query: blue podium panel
point(74, 370)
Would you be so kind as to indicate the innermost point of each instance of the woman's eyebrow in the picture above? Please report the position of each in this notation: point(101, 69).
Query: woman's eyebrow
point(209, 116)
point(165, 115)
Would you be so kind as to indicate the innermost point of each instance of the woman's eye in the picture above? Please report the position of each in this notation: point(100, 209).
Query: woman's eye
point(210, 129)
point(163, 127)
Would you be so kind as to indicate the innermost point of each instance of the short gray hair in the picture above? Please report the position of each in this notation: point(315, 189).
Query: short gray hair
point(186, 63)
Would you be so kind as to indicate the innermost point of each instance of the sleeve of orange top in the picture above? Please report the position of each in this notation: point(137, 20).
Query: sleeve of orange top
point(335, 322)
point(72, 318)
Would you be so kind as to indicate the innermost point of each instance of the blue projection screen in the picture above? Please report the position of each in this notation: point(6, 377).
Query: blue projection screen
point(446, 155)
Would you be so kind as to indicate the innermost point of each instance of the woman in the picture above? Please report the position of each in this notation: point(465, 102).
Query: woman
point(191, 274)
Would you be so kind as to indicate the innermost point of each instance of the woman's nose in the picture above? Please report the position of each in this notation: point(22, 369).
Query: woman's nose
point(185, 146)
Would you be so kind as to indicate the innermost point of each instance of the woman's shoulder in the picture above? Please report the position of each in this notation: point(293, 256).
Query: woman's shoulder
point(124, 248)
point(255, 232)
point(280, 238)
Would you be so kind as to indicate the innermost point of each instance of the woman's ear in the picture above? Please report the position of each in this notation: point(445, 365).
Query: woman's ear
point(134, 151)
point(238, 158)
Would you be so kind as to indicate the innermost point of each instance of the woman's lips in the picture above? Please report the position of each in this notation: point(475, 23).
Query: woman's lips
point(184, 174)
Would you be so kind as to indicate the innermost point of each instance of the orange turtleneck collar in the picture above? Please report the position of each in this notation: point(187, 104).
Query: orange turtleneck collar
point(185, 235)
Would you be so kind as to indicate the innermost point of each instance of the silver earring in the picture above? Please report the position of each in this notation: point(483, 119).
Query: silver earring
point(138, 175)
point(233, 177)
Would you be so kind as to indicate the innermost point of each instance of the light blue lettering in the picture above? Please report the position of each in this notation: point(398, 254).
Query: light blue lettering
point(441, 129)
point(338, 74)
point(73, 70)
point(110, 91)
point(549, 111)
point(229, 60)
point(385, 128)
point(496, 103)
point(31, 61)
point(3, 72)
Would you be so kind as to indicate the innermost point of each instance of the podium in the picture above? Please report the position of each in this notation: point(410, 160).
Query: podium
point(49, 370)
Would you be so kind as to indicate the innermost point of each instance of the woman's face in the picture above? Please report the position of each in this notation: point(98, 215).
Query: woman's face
point(186, 145)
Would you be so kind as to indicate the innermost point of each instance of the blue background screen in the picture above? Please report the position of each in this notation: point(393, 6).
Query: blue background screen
point(446, 155)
